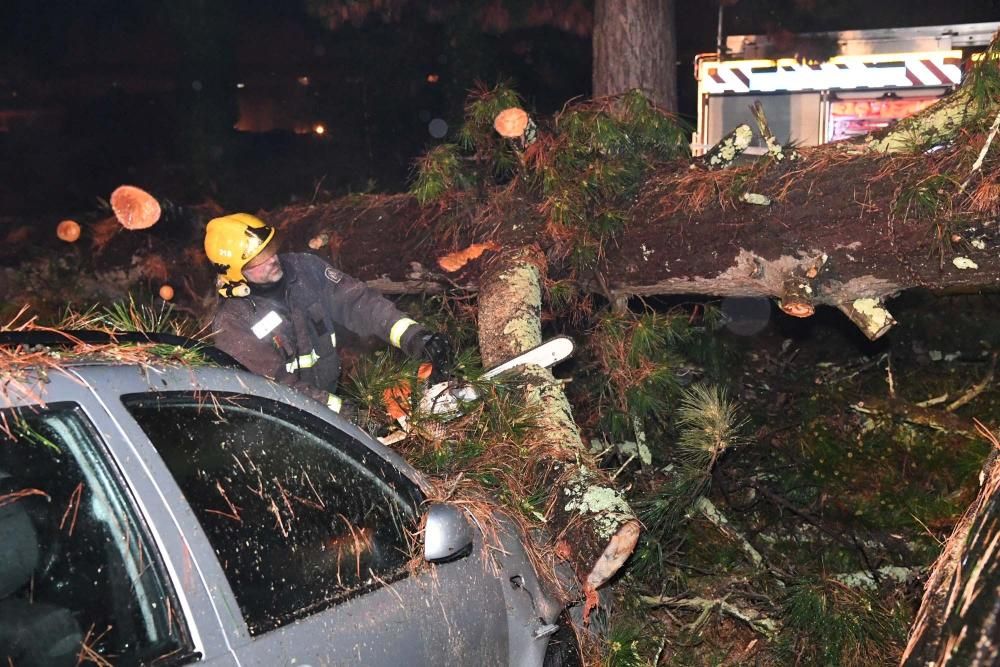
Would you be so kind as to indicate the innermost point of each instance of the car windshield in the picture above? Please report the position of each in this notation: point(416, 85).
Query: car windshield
point(300, 514)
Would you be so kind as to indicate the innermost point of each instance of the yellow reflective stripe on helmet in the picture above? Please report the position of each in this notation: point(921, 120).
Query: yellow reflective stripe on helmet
point(398, 329)
point(304, 361)
point(334, 403)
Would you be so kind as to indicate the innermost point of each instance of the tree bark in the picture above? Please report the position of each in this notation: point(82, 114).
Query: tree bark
point(959, 618)
point(593, 527)
point(634, 46)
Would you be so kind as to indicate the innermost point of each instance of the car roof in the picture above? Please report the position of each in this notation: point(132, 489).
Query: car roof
point(137, 362)
point(90, 346)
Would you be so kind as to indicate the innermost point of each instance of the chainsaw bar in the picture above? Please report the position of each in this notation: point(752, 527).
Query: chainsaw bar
point(445, 398)
point(549, 353)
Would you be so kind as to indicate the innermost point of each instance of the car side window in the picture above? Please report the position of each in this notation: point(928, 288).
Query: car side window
point(300, 514)
point(80, 579)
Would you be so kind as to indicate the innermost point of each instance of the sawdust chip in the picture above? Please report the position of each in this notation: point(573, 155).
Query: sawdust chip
point(455, 260)
point(398, 396)
point(395, 398)
point(135, 208)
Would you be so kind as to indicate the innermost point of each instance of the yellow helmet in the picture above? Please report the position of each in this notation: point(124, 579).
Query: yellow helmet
point(230, 242)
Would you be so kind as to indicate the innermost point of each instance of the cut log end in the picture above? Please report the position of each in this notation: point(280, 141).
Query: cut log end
point(797, 298)
point(797, 308)
point(620, 547)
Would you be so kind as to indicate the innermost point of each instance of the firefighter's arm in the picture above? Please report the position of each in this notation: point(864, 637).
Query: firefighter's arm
point(363, 310)
point(367, 313)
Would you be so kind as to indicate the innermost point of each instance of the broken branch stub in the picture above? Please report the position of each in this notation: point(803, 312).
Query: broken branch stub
point(870, 315)
point(730, 147)
point(774, 148)
point(592, 523)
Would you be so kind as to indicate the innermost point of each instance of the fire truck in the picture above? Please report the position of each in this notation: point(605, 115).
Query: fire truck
point(822, 87)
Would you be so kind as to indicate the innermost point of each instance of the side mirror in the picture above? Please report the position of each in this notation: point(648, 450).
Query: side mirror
point(447, 534)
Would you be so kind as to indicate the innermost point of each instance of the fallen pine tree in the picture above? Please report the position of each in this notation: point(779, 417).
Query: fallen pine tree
point(847, 225)
point(608, 192)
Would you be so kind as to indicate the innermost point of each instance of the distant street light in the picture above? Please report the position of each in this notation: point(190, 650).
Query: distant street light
point(319, 128)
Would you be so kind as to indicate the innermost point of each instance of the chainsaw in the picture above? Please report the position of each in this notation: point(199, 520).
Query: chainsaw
point(447, 399)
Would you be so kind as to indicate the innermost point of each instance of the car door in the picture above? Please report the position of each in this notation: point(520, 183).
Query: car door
point(83, 578)
point(313, 532)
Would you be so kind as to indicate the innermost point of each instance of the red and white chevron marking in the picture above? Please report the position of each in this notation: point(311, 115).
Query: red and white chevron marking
point(840, 73)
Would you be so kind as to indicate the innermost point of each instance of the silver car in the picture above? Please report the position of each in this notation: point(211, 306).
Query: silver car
point(169, 515)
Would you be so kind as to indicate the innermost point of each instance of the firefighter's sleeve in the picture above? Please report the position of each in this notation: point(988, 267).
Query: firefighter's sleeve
point(367, 313)
point(234, 337)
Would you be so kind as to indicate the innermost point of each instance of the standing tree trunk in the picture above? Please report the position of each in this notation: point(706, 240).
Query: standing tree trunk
point(593, 526)
point(635, 47)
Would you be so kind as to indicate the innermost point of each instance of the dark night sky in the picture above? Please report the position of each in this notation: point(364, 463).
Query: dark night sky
point(146, 91)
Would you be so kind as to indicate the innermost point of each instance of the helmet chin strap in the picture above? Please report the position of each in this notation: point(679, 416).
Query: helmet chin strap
point(229, 290)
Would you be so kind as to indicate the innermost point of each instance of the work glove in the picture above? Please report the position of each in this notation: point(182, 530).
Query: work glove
point(436, 348)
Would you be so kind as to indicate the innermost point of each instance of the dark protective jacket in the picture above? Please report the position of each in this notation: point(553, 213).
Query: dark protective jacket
point(288, 332)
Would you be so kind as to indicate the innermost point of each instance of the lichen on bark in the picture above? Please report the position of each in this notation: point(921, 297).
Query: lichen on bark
point(608, 509)
point(526, 330)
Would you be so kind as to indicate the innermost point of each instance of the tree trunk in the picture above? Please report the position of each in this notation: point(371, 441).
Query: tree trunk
point(959, 618)
point(635, 47)
point(593, 527)
point(775, 252)
point(846, 226)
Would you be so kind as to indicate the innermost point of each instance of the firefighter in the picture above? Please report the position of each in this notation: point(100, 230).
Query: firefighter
point(280, 313)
